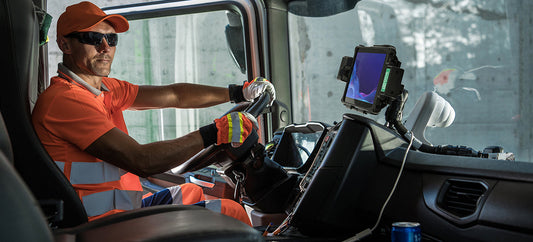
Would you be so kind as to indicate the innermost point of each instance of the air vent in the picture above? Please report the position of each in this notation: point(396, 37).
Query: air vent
point(460, 197)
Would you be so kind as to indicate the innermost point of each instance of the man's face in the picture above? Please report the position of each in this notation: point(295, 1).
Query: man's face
point(90, 59)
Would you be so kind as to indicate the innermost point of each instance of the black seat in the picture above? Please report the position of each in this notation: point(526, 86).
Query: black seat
point(23, 220)
point(20, 212)
point(20, 64)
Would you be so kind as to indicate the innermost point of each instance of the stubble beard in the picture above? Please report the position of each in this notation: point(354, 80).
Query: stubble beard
point(101, 69)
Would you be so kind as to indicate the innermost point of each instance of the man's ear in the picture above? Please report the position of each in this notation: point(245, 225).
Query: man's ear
point(64, 45)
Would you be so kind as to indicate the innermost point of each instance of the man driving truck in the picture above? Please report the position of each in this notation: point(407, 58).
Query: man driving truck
point(79, 121)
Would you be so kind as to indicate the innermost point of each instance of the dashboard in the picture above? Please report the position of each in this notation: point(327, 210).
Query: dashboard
point(353, 169)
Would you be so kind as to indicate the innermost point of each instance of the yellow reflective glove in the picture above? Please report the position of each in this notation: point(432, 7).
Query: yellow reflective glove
point(234, 128)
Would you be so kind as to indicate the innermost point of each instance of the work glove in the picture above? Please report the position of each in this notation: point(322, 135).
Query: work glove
point(232, 128)
point(251, 90)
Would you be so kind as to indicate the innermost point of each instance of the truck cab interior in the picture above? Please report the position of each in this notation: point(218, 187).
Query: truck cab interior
point(328, 163)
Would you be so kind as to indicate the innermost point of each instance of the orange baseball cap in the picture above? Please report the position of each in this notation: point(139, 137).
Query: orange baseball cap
point(82, 16)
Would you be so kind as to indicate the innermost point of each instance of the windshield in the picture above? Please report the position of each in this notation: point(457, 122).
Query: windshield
point(473, 53)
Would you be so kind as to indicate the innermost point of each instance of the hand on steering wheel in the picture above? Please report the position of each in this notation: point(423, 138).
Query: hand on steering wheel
point(251, 90)
point(217, 153)
point(234, 128)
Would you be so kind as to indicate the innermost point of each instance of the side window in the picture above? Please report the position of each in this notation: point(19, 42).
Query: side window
point(189, 48)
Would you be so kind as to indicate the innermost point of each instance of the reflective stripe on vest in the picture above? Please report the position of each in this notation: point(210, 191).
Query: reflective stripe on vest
point(99, 173)
point(92, 172)
point(102, 202)
point(214, 205)
point(61, 166)
point(177, 196)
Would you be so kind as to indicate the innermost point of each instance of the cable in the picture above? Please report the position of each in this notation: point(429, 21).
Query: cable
point(395, 183)
point(367, 232)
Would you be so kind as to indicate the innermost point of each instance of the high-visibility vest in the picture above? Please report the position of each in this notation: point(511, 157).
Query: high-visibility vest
point(112, 190)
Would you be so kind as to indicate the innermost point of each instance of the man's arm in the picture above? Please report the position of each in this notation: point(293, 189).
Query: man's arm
point(119, 149)
point(179, 95)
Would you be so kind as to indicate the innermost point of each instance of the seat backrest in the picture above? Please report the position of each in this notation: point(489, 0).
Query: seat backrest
point(5, 143)
point(19, 65)
point(22, 219)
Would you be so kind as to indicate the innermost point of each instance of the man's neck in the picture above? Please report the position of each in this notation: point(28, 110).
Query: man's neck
point(95, 81)
point(66, 73)
point(86, 75)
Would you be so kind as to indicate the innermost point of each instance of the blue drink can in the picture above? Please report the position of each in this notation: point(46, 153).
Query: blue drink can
point(405, 232)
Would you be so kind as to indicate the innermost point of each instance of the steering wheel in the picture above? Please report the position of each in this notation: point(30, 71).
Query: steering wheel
point(222, 155)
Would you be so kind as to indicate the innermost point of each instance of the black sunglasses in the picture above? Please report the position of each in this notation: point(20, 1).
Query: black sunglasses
point(94, 38)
